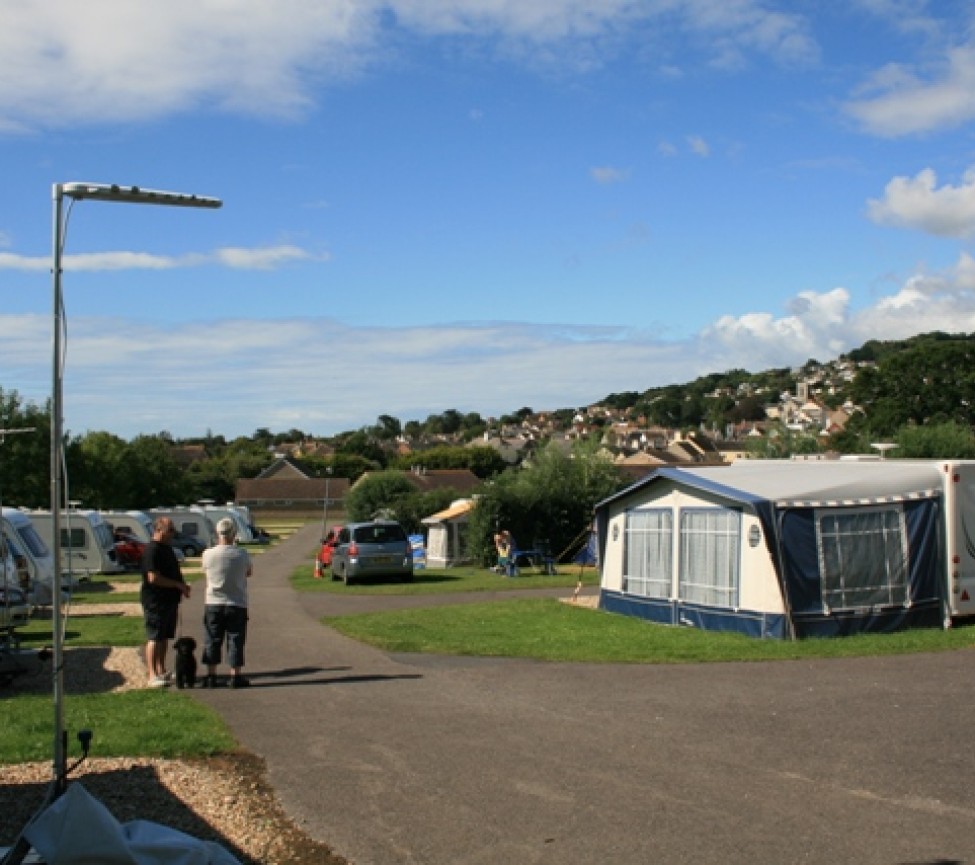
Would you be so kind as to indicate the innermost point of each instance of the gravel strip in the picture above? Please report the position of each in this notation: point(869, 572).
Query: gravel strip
point(224, 799)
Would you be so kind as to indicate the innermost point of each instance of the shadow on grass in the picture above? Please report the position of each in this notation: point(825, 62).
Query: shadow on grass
point(138, 793)
point(84, 673)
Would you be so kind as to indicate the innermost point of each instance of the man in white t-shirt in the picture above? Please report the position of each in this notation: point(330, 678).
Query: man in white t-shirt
point(226, 567)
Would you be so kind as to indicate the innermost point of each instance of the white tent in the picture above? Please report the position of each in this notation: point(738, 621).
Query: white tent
point(447, 535)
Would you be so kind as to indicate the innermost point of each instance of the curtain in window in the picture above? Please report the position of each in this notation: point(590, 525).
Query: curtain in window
point(648, 553)
point(710, 540)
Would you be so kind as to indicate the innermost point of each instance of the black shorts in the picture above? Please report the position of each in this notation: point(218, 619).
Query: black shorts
point(161, 620)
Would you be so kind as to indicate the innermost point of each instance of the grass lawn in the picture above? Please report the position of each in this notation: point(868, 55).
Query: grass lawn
point(433, 581)
point(547, 629)
point(131, 723)
point(146, 723)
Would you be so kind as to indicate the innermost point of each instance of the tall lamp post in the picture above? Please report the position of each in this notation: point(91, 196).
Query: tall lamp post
point(79, 192)
point(328, 480)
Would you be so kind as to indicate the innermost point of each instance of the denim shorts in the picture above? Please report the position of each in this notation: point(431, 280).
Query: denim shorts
point(221, 623)
point(160, 621)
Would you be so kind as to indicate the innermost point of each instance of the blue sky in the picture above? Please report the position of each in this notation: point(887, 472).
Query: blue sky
point(473, 204)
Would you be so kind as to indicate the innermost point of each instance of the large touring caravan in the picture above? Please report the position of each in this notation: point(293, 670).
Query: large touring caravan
point(87, 545)
point(779, 548)
point(33, 559)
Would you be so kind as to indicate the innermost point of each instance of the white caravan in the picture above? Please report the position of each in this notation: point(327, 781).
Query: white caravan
point(137, 523)
point(87, 545)
point(189, 521)
point(230, 512)
point(34, 559)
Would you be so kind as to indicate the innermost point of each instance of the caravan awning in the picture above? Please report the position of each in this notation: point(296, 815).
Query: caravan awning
point(457, 509)
point(829, 483)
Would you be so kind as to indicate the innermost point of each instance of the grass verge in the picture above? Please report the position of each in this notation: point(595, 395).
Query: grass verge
point(547, 629)
point(127, 724)
point(137, 723)
point(431, 581)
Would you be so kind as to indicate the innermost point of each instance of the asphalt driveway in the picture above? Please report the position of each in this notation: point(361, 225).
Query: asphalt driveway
point(449, 761)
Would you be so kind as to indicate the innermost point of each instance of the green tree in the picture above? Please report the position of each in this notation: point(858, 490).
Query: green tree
point(364, 445)
point(98, 472)
point(482, 461)
point(156, 477)
point(550, 499)
point(376, 493)
point(949, 440)
point(25, 457)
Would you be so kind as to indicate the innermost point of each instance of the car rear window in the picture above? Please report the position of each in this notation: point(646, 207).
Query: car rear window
point(379, 534)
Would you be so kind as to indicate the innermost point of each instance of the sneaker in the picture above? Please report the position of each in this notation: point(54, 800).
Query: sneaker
point(158, 682)
point(238, 682)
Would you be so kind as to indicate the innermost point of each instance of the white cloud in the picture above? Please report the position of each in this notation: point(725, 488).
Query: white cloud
point(64, 63)
point(904, 103)
point(261, 258)
point(698, 145)
point(233, 376)
point(823, 325)
point(917, 202)
point(607, 174)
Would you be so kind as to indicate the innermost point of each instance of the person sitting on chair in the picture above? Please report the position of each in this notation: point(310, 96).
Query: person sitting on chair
point(510, 566)
point(503, 548)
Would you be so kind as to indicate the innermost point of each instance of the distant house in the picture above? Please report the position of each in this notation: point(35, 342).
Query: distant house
point(186, 455)
point(462, 481)
point(285, 486)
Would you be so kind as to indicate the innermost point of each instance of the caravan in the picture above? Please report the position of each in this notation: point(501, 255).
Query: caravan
point(87, 545)
point(241, 523)
point(778, 548)
point(191, 522)
point(32, 557)
point(137, 523)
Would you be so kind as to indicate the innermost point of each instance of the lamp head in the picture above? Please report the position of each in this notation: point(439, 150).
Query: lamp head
point(135, 195)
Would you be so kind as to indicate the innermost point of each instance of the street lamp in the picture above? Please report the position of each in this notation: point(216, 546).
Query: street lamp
point(79, 192)
point(328, 480)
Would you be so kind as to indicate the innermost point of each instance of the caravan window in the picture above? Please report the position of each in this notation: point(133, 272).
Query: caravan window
point(863, 557)
point(74, 538)
point(710, 541)
point(648, 552)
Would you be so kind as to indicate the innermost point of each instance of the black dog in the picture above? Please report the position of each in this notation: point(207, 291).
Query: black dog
point(185, 662)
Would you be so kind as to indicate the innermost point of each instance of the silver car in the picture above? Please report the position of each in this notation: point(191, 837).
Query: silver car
point(376, 549)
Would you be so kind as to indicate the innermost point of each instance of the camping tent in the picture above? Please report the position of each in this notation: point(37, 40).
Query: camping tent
point(783, 548)
point(447, 535)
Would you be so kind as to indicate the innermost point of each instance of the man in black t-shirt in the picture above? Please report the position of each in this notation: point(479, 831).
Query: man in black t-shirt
point(163, 587)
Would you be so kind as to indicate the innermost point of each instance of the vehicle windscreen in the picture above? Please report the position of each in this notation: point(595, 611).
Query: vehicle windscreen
point(379, 534)
point(33, 541)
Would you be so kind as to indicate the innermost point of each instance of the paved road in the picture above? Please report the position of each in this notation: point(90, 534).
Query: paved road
point(451, 761)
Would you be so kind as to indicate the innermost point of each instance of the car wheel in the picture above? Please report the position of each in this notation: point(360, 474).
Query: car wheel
point(189, 551)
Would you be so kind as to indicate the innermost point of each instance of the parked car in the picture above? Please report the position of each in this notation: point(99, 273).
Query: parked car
point(188, 544)
point(324, 559)
point(128, 550)
point(378, 548)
